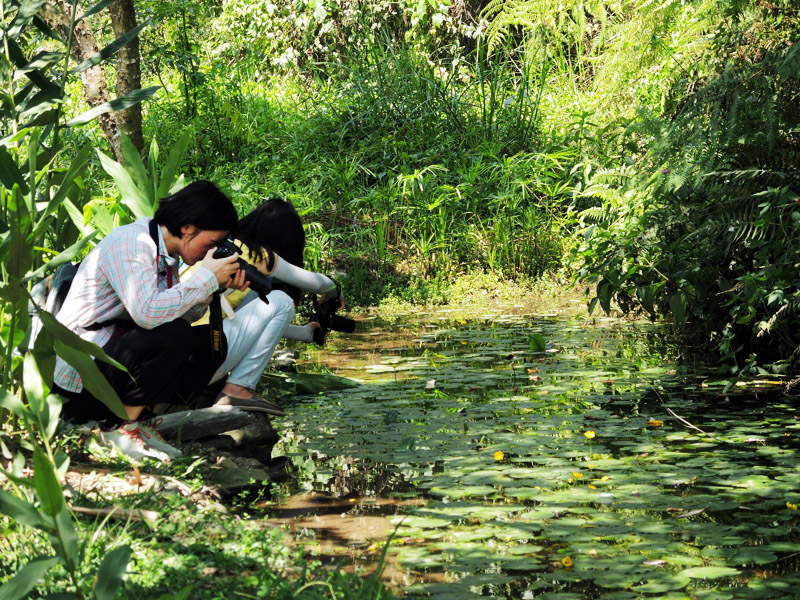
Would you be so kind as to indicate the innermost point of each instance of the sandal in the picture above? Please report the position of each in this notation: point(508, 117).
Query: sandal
point(254, 404)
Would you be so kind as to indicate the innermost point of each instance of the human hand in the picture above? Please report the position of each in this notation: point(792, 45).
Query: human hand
point(223, 268)
point(238, 281)
point(325, 297)
point(319, 336)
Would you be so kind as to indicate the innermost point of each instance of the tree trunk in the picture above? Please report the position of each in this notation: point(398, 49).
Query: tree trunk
point(58, 15)
point(129, 74)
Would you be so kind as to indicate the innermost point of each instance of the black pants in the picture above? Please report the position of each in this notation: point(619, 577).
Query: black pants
point(169, 363)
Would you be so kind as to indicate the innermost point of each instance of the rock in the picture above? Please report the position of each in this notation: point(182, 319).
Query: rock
point(202, 422)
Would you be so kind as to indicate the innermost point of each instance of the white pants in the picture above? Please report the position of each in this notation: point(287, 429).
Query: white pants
point(252, 337)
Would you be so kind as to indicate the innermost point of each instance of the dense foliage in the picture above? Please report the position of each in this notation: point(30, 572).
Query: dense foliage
point(649, 148)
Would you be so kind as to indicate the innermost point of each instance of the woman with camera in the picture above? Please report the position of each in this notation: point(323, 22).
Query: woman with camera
point(272, 239)
point(127, 298)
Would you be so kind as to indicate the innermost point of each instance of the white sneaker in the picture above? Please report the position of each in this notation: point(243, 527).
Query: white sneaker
point(138, 441)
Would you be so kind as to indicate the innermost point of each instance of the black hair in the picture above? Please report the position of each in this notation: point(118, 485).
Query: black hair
point(276, 226)
point(201, 204)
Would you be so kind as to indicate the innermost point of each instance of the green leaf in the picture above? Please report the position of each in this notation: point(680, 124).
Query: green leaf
point(114, 105)
point(27, 10)
point(33, 385)
point(28, 577)
point(112, 48)
point(93, 379)
point(111, 572)
point(20, 257)
point(710, 572)
point(62, 259)
point(53, 406)
point(71, 339)
point(42, 60)
point(9, 172)
point(604, 296)
point(48, 489)
point(76, 216)
point(174, 160)
point(75, 167)
point(20, 61)
point(135, 168)
point(132, 196)
point(11, 403)
point(20, 510)
point(184, 594)
point(39, 104)
point(677, 304)
point(96, 9)
point(537, 342)
point(67, 540)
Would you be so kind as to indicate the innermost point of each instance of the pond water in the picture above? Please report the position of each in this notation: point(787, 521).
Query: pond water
point(520, 455)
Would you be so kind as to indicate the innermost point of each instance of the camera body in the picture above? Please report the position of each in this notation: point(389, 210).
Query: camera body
point(325, 315)
point(261, 284)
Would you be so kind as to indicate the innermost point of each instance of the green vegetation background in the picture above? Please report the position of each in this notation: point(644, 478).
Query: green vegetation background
point(647, 149)
point(650, 148)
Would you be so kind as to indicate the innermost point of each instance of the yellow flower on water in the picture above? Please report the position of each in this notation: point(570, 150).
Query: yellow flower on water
point(791, 506)
point(499, 455)
point(589, 434)
point(655, 423)
point(566, 561)
point(592, 487)
point(605, 478)
point(577, 475)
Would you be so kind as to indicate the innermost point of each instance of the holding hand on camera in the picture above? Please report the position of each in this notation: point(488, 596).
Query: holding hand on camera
point(226, 270)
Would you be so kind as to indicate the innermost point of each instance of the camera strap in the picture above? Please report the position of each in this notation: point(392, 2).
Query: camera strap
point(218, 350)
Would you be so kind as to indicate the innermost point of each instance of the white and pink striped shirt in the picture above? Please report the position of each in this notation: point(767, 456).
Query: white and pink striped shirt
point(117, 279)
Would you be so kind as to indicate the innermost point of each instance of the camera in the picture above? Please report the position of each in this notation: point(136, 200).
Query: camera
point(325, 315)
point(261, 284)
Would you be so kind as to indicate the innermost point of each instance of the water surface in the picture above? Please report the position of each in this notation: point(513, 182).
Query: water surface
point(553, 455)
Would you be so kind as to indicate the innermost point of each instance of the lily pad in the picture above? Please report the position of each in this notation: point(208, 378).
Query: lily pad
point(709, 572)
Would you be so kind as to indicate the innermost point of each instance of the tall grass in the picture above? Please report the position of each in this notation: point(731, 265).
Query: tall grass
point(401, 166)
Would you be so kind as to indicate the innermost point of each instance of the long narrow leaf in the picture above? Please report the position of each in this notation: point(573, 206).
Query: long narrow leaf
point(18, 58)
point(93, 380)
point(19, 260)
point(174, 160)
point(132, 196)
point(27, 10)
point(28, 577)
point(45, 28)
point(20, 510)
point(68, 182)
point(111, 572)
point(9, 172)
point(67, 538)
point(77, 218)
point(116, 104)
point(63, 258)
point(111, 49)
point(96, 9)
point(71, 339)
point(43, 60)
point(35, 391)
point(135, 168)
point(48, 489)
point(11, 403)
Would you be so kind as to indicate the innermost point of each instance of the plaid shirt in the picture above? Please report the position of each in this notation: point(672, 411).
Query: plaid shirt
point(118, 280)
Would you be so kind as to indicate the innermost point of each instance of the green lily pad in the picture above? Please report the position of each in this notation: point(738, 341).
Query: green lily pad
point(709, 572)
